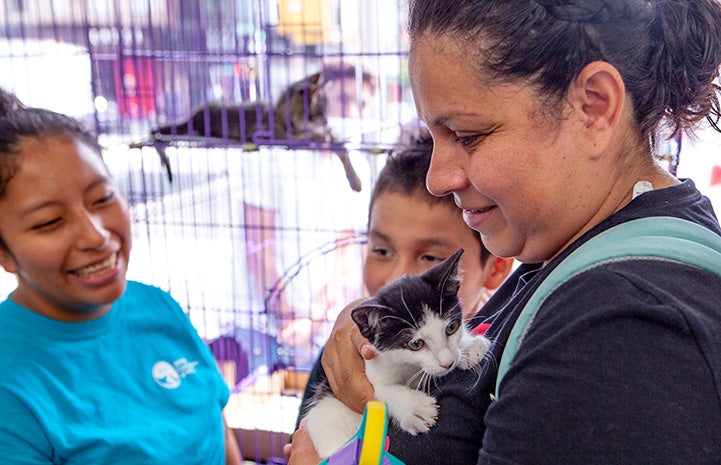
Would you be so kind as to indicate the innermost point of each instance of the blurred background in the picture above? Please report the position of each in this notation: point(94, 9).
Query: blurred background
point(260, 238)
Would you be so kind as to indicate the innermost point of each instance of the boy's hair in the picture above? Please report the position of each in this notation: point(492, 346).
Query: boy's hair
point(405, 173)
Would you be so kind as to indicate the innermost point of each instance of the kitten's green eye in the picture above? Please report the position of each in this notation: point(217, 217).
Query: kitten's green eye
point(415, 344)
point(452, 328)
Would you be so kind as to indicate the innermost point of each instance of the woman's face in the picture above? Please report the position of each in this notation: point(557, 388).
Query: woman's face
point(408, 235)
point(66, 230)
point(514, 171)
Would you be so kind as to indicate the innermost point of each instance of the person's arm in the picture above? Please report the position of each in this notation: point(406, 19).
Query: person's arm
point(232, 449)
point(343, 362)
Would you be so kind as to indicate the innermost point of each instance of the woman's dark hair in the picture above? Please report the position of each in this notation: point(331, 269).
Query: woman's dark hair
point(18, 121)
point(667, 51)
point(405, 173)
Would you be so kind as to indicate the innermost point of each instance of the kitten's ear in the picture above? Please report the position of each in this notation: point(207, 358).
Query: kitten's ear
point(314, 78)
point(314, 85)
point(367, 317)
point(445, 275)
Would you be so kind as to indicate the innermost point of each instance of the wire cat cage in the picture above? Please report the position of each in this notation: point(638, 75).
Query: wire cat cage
point(247, 215)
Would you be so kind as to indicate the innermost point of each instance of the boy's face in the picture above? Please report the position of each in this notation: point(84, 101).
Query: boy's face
point(408, 235)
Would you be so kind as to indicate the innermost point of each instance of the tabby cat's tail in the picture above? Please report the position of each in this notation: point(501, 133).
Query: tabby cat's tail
point(350, 172)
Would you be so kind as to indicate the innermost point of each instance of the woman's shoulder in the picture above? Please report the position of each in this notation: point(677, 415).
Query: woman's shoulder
point(640, 292)
point(682, 201)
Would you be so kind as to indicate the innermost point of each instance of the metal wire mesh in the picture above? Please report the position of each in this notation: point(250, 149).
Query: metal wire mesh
point(127, 68)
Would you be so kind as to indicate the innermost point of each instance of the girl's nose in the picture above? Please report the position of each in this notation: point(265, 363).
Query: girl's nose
point(92, 233)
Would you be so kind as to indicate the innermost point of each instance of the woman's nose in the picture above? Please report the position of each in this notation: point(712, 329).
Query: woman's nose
point(445, 174)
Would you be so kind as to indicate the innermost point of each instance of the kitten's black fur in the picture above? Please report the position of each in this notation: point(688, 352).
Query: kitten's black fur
point(389, 318)
point(298, 114)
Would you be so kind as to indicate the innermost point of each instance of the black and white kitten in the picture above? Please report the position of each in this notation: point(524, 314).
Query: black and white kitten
point(416, 326)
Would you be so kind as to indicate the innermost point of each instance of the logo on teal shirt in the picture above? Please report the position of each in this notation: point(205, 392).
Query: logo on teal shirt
point(170, 375)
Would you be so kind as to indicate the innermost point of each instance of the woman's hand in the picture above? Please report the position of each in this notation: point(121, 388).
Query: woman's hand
point(301, 451)
point(343, 361)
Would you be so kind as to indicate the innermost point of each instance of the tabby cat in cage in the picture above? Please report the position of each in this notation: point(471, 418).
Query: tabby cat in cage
point(298, 114)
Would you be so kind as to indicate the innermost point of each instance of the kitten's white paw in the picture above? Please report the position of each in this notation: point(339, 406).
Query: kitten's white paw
point(330, 425)
point(474, 352)
point(415, 413)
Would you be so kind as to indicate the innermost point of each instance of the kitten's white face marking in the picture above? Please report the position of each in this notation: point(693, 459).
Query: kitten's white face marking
point(440, 351)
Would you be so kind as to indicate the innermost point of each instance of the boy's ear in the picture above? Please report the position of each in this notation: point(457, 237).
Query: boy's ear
point(598, 96)
point(501, 269)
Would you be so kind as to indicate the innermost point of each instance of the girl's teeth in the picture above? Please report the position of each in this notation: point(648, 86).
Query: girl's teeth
point(101, 267)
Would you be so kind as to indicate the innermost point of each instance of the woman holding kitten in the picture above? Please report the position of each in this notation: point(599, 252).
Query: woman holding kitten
point(544, 114)
point(410, 231)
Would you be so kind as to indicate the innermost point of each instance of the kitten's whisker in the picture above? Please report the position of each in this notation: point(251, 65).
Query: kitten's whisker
point(450, 310)
point(477, 371)
point(443, 291)
point(393, 317)
point(405, 306)
point(378, 306)
point(417, 375)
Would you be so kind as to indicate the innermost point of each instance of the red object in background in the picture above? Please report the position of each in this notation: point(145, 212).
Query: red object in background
point(715, 175)
point(481, 329)
point(135, 87)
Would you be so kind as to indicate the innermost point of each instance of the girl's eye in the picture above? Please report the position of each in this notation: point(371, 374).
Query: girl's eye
point(416, 344)
point(106, 198)
point(452, 327)
point(46, 225)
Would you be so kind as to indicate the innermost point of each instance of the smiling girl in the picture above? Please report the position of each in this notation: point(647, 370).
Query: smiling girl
point(95, 369)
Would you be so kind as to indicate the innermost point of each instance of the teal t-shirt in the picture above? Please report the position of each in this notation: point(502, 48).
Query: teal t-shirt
point(137, 385)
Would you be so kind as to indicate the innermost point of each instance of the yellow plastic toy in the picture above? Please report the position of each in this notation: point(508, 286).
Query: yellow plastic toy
point(368, 445)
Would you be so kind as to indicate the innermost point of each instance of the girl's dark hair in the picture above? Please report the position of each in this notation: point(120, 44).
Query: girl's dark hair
point(405, 173)
point(18, 121)
point(667, 51)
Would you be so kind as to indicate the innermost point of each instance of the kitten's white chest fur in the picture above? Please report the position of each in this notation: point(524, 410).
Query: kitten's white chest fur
point(400, 377)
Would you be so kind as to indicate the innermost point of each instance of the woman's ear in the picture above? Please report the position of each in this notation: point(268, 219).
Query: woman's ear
point(598, 96)
point(501, 268)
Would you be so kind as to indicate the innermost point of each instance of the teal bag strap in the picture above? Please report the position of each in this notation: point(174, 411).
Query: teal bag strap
point(654, 237)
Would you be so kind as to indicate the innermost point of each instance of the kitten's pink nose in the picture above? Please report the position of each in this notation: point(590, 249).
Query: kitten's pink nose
point(445, 359)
